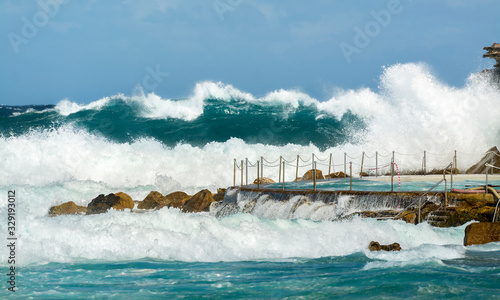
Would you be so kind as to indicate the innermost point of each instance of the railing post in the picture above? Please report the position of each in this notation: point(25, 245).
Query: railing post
point(314, 176)
point(362, 162)
point(330, 167)
point(486, 186)
point(261, 168)
point(279, 173)
point(246, 170)
point(283, 175)
point(242, 173)
point(425, 162)
point(350, 176)
point(345, 165)
point(312, 161)
point(297, 169)
point(234, 173)
point(258, 176)
point(376, 164)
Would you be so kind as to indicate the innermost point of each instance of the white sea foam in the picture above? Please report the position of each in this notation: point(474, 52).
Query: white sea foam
point(171, 235)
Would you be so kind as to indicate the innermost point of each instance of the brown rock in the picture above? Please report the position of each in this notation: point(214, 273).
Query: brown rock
point(492, 157)
point(68, 208)
point(374, 246)
point(199, 202)
point(152, 200)
point(410, 218)
point(482, 233)
point(263, 180)
point(176, 199)
point(363, 174)
point(102, 204)
point(336, 175)
point(309, 175)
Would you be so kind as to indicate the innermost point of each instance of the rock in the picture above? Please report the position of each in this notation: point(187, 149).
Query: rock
point(410, 218)
point(176, 199)
point(492, 157)
point(152, 200)
point(309, 175)
point(494, 53)
point(199, 202)
point(264, 180)
point(102, 204)
point(374, 246)
point(68, 208)
point(363, 174)
point(482, 233)
point(220, 195)
point(336, 175)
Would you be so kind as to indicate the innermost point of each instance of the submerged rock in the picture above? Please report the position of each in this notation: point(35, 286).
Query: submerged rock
point(375, 246)
point(102, 204)
point(199, 202)
point(309, 175)
point(68, 208)
point(482, 233)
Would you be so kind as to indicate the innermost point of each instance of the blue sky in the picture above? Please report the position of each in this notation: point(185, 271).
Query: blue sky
point(86, 50)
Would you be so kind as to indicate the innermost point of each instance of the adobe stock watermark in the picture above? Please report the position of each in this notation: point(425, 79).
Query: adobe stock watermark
point(47, 9)
point(364, 36)
point(222, 7)
point(150, 81)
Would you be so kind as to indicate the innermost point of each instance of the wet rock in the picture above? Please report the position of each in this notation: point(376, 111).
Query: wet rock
point(102, 204)
point(375, 246)
point(309, 175)
point(199, 202)
point(363, 174)
point(68, 208)
point(220, 195)
point(263, 180)
point(176, 199)
point(336, 175)
point(152, 201)
point(492, 157)
point(482, 233)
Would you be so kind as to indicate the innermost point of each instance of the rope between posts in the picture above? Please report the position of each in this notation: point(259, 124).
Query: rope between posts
point(406, 154)
point(384, 155)
point(320, 158)
point(305, 160)
point(289, 160)
point(271, 162)
point(379, 168)
point(271, 166)
point(353, 157)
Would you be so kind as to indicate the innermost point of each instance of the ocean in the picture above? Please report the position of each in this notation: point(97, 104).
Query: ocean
point(51, 154)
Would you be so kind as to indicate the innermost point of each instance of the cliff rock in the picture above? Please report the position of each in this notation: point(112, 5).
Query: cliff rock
point(482, 233)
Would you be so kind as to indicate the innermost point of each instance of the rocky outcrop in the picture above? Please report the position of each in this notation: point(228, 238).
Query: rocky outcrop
point(494, 53)
point(199, 202)
point(102, 204)
point(492, 157)
point(68, 208)
point(309, 175)
point(375, 246)
point(482, 233)
point(153, 200)
point(263, 180)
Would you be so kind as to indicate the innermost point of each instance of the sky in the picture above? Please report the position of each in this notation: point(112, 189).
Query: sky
point(84, 50)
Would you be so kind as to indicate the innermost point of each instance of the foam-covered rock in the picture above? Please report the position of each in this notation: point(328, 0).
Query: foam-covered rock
point(152, 201)
point(199, 202)
point(102, 204)
point(68, 208)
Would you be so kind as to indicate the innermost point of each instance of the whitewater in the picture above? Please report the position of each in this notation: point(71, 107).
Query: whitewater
point(139, 143)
